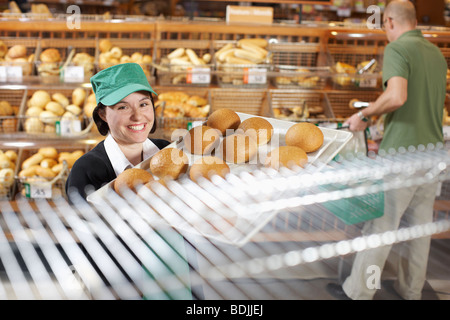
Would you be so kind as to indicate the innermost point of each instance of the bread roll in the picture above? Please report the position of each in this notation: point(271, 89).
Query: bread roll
point(68, 158)
point(224, 119)
point(32, 160)
point(208, 166)
point(7, 177)
point(33, 112)
point(286, 156)
point(258, 128)
point(201, 140)
point(34, 125)
point(238, 148)
point(55, 108)
point(50, 55)
point(61, 99)
point(39, 99)
point(130, 179)
point(11, 154)
point(48, 163)
point(28, 172)
point(116, 52)
point(6, 108)
point(105, 45)
point(5, 162)
point(78, 96)
point(74, 109)
point(48, 117)
point(169, 163)
point(305, 135)
point(17, 51)
point(46, 173)
point(48, 152)
point(88, 109)
point(77, 153)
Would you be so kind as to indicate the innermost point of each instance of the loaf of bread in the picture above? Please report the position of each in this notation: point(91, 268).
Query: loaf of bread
point(130, 179)
point(260, 129)
point(305, 135)
point(201, 140)
point(286, 156)
point(169, 163)
point(225, 120)
point(238, 148)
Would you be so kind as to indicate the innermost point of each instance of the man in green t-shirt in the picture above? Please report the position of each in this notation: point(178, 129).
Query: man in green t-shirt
point(414, 82)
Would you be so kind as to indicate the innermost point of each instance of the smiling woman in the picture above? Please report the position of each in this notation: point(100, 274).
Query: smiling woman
point(125, 114)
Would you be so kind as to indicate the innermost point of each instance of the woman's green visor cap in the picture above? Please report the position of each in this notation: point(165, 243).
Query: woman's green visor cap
point(113, 84)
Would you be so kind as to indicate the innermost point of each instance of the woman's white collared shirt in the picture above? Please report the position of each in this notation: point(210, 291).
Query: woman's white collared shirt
point(118, 160)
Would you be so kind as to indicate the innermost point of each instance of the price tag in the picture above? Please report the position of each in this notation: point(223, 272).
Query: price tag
point(38, 190)
point(13, 73)
point(344, 12)
point(67, 127)
point(368, 83)
point(255, 76)
point(3, 73)
point(198, 76)
point(74, 74)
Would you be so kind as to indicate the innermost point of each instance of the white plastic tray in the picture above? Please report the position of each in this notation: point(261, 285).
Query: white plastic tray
point(247, 224)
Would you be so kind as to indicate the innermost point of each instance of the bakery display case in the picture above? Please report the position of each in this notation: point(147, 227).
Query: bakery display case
point(287, 220)
point(292, 75)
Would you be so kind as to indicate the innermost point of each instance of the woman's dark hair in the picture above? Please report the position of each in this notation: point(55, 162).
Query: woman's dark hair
point(103, 127)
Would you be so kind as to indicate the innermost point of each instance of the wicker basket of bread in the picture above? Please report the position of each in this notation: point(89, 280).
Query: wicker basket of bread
point(56, 56)
point(42, 171)
point(299, 65)
point(54, 112)
point(19, 53)
point(183, 62)
point(244, 63)
point(355, 67)
point(10, 102)
point(115, 51)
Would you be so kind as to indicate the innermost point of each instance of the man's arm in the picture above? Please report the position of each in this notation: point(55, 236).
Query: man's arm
point(390, 100)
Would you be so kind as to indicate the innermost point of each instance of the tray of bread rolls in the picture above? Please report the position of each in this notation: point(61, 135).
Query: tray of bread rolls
point(176, 180)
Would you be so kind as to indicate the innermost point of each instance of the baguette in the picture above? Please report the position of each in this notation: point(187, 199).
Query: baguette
point(260, 42)
point(222, 57)
point(244, 54)
point(193, 57)
point(254, 48)
point(236, 60)
point(177, 53)
point(180, 61)
point(224, 48)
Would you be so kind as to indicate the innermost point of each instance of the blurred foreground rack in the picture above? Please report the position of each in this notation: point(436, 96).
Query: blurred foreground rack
point(208, 240)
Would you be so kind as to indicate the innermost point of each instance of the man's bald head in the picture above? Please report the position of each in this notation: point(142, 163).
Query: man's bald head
point(402, 11)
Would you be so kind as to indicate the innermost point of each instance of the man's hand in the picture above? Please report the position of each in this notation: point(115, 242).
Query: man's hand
point(355, 123)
